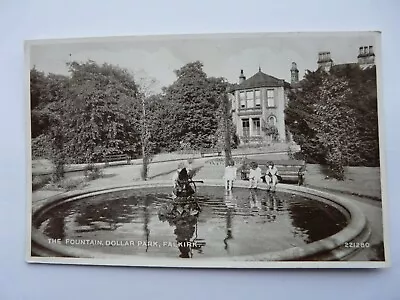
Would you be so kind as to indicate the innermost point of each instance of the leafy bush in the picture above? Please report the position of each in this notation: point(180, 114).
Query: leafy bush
point(39, 181)
point(40, 147)
point(299, 156)
point(92, 172)
point(67, 184)
point(244, 165)
point(290, 152)
point(272, 131)
point(235, 141)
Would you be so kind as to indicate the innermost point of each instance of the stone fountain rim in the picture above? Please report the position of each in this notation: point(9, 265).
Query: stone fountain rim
point(356, 226)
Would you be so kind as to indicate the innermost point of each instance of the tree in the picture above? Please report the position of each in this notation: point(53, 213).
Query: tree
point(363, 101)
point(335, 125)
point(104, 112)
point(333, 117)
point(37, 83)
point(159, 124)
point(44, 90)
point(299, 117)
point(226, 131)
point(49, 94)
point(148, 120)
point(196, 100)
point(57, 147)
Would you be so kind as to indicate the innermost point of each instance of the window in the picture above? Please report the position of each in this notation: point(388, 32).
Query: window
point(250, 99)
point(242, 100)
point(270, 98)
point(246, 127)
point(257, 99)
point(272, 120)
point(256, 127)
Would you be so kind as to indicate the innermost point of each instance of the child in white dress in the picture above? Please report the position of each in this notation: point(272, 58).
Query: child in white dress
point(230, 175)
point(271, 176)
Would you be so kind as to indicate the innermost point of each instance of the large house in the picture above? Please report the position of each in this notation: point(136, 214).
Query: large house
point(258, 103)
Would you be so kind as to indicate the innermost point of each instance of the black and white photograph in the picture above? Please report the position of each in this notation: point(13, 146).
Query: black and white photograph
point(239, 150)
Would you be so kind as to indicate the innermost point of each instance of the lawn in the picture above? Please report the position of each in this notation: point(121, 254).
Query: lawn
point(45, 166)
point(362, 181)
point(359, 180)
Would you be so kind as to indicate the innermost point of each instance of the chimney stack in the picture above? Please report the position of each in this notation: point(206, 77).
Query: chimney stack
point(366, 57)
point(294, 72)
point(241, 77)
point(324, 60)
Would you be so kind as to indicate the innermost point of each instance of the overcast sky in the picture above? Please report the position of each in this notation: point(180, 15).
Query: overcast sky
point(222, 55)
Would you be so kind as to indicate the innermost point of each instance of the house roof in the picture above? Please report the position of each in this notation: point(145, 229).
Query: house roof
point(258, 80)
point(346, 65)
point(337, 67)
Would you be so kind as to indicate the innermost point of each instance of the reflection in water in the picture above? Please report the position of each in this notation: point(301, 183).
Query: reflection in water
point(273, 206)
point(105, 215)
point(55, 226)
point(265, 204)
point(241, 222)
point(229, 235)
point(301, 220)
point(146, 221)
point(255, 202)
point(230, 203)
point(183, 214)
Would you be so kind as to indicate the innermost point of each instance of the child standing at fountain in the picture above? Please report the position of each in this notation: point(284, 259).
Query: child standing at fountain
point(255, 175)
point(230, 175)
point(271, 176)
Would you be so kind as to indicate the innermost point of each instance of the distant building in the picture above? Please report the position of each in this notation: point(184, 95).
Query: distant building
point(259, 103)
point(365, 59)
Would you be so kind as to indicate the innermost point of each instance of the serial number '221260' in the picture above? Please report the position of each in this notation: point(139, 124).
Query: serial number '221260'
point(357, 245)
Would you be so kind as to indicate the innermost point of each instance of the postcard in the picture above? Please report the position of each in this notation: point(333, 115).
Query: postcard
point(250, 150)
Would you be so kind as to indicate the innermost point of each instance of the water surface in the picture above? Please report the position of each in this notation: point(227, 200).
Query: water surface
point(147, 222)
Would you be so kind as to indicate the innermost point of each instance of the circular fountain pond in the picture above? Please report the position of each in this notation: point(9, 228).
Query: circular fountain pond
point(292, 224)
